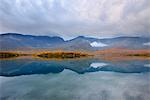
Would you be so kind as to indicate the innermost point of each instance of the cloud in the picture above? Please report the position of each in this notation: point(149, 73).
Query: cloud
point(97, 18)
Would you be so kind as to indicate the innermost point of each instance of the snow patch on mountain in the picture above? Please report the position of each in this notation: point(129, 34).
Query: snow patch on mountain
point(147, 44)
point(98, 44)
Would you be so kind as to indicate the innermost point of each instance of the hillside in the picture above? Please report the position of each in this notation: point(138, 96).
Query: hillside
point(14, 41)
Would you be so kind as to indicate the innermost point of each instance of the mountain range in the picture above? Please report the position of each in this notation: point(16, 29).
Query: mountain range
point(15, 41)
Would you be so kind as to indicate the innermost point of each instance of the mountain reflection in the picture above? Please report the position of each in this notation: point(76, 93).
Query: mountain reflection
point(18, 67)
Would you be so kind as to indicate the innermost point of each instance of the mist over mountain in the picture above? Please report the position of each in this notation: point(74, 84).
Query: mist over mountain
point(12, 41)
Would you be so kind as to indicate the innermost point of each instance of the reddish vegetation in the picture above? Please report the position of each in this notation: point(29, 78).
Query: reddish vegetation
point(108, 54)
point(122, 54)
point(62, 55)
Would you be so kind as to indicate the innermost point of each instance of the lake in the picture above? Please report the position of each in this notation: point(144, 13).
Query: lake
point(74, 79)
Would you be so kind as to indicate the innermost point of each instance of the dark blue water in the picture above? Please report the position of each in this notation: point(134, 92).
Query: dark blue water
point(33, 66)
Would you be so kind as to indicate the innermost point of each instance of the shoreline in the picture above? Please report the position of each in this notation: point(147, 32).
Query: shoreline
point(113, 54)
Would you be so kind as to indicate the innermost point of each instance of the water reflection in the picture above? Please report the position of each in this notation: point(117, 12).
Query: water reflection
point(18, 67)
point(98, 65)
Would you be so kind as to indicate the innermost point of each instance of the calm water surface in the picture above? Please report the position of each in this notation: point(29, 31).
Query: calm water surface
point(79, 79)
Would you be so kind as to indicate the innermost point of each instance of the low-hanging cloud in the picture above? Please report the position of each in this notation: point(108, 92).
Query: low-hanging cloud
point(70, 18)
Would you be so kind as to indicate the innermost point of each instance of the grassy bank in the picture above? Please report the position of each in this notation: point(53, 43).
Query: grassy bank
point(46, 55)
point(139, 55)
point(122, 54)
point(8, 55)
point(62, 55)
point(109, 54)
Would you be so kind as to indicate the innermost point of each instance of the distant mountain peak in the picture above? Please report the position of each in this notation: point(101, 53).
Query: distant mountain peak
point(18, 34)
point(81, 37)
point(4, 34)
point(11, 41)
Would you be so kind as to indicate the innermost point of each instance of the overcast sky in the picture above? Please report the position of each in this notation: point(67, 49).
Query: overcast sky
point(71, 18)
